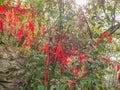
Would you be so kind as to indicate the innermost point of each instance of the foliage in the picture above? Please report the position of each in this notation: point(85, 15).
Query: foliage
point(68, 48)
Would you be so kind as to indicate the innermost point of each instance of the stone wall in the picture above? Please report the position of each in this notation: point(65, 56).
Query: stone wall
point(12, 68)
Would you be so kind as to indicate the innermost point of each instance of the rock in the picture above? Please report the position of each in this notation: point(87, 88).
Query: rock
point(12, 68)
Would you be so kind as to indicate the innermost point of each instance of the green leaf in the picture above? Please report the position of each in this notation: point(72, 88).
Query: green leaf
point(52, 87)
point(63, 87)
point(1, 1)
point(40, 87)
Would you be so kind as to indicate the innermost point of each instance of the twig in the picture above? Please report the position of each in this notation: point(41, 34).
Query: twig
point(88, 27)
